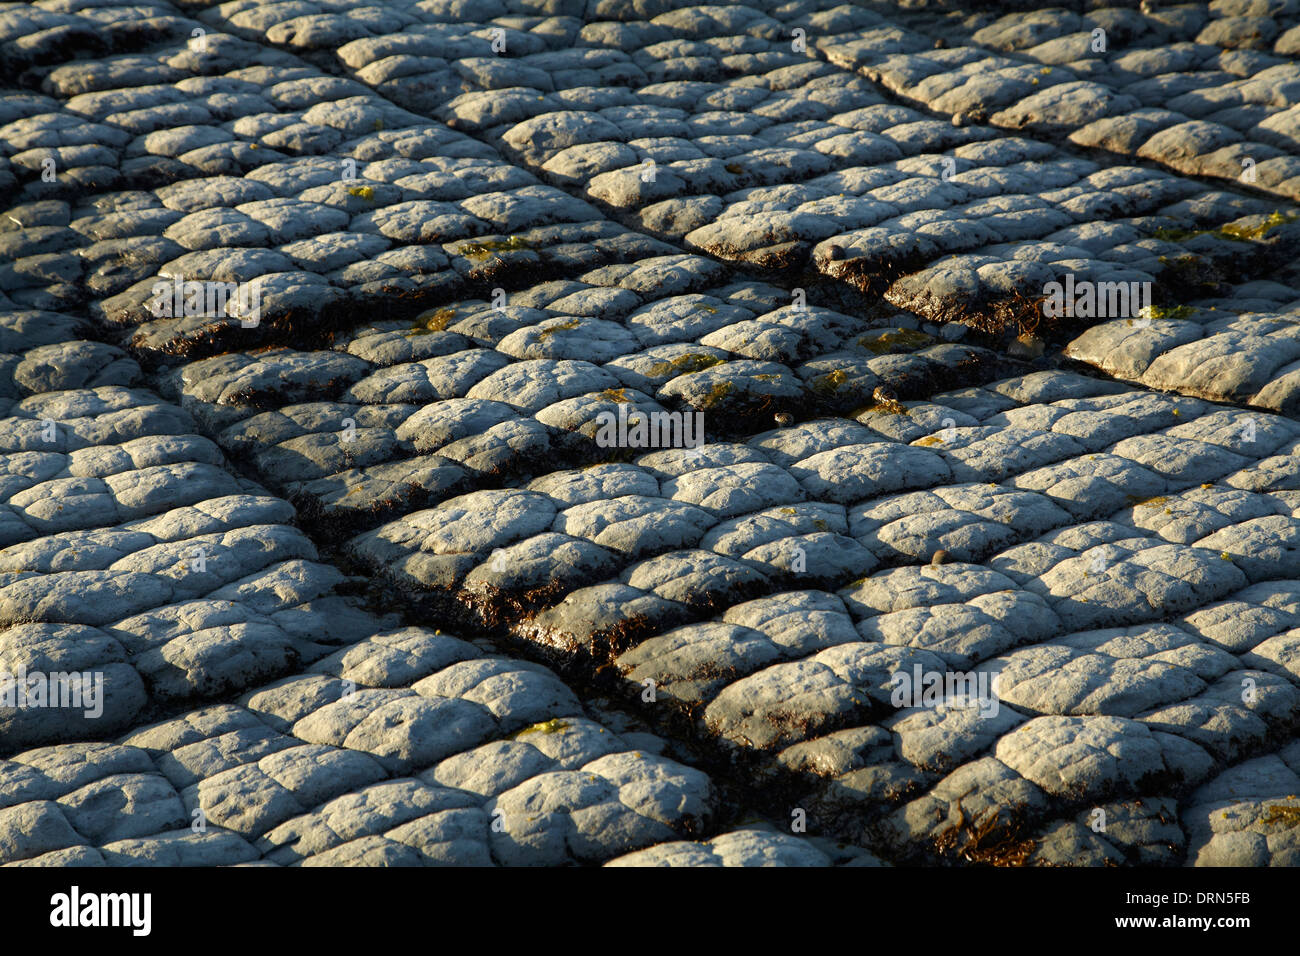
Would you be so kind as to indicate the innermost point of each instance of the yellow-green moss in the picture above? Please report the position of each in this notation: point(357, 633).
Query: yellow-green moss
point(1288, 816)
point(716, 394)
point(881, 408)
point(558, 327)
point(1174, 234)
point(1152, 502)
point(831, 381)
point(1272, 221)
point(481, 250)
point(685, 363)
point(1230, 231)
point(1178, 312)
point(435, 320)
point(362, 192)
point(552, 726)
point(895, 340)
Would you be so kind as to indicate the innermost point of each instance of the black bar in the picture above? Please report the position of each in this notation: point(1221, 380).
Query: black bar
point(263, 905)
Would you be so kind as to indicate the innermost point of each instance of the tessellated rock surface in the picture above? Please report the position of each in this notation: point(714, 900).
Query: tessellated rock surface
point(543, 432)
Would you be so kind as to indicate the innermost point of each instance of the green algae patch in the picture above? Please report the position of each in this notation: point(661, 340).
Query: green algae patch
point(895, 340)
point(1243, 233)
point(1167, 312)
point(1232, 231)
point(1288, 816)
point(716, 394)
point(685, 363)
point(1154, 501)
point(552, 726)
point(831, 381)
point(881, 408)
point(558, 327)
point(488, 247)
point(1175, 234)
point(362, 192)
point(435, 320)
point(1172, 312)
